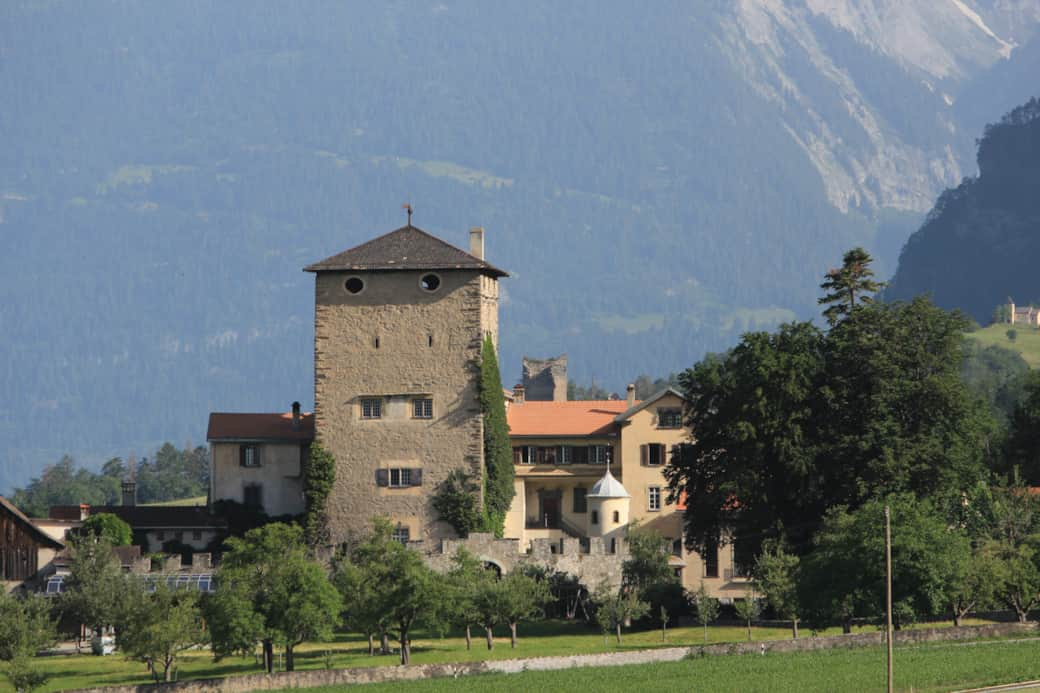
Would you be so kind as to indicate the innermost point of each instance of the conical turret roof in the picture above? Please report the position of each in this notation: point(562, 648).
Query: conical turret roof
point(608, 487)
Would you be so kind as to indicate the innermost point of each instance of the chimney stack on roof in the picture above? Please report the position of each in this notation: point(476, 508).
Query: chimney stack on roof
point(129, 493)
point(296, 416)
point(518, 394)
point(476, 242)
point(631, 395)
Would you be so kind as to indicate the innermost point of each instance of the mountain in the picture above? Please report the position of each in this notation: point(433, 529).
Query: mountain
point(656, 179)
point(979, 243)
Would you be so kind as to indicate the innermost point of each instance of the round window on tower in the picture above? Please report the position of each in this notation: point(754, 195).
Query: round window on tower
point(354, 285)
point(430, 282)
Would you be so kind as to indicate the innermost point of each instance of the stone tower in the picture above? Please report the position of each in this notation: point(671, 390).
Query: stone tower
point(545, 380)
point(398, 327)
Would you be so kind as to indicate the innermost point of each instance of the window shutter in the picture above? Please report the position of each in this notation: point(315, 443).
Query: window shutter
point(644, 454)
point(241, 455)
point(416, 477)
point(517, 456)
point(382, 477)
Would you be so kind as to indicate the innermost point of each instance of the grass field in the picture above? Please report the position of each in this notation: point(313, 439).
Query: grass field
point(197, 500)
point(936, 667)
point(536, 640)
point(1026, 343)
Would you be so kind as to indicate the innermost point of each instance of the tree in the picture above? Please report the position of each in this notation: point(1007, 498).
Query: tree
point(615, 608)
point(156, 627)
point(109, 526)
point(844, 286)
point(974, 584)
point(1023, 445)
point(24, 677)
point(498, 450)
point(748, 608)
point(647, 561)
point(319, 477)
point(27, 624)
point(522, 597)
point(413, 594)
point(1012, 335)
point(844, 574)
point(271, 592)
point(707, 608)
point(457, 502)
point(776, 574)
point(96, 589)
point(465, 580)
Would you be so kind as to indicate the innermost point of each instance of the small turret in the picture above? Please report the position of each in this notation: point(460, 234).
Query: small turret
point(608, 510)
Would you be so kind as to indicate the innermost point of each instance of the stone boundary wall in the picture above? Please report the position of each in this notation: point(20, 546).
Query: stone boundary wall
point(343, 677)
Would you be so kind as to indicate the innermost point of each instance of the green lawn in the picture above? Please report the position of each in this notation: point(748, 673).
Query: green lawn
point(536, 640)
point(1026, 343)
point(936, 667)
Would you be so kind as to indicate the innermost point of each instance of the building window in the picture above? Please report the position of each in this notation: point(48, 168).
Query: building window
point(249, 455)
point(613, 545)
point(525, 454)
point(430, 282)
point(196, 535)
point(594, 518)
point(580, 502)
point(354, 285)
point(565, 456)
point(669, 418)
point(371, 408)
point(401, 534)
point(653, 498)
point(546, 455)
point(617, 517)
point(653, 454)
point(677, 547)
point(253, 496)
point(422, 408)
point(579, 455)
point(601, 454)
point(401, 477)
point(711, 562)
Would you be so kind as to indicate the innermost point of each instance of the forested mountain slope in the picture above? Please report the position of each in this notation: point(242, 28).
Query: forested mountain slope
point(655, 179)
point(981, 242)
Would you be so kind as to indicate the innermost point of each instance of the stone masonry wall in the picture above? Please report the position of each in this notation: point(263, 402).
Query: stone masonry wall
point(396, 341)
point(342, 677)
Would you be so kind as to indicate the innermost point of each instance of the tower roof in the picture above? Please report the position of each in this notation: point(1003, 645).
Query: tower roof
point(406, 248)
point(608, 487)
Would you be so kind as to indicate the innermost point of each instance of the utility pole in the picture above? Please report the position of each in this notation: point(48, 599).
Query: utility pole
point(888, 592)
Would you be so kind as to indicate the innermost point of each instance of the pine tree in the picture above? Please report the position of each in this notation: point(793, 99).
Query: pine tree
point(854, 281)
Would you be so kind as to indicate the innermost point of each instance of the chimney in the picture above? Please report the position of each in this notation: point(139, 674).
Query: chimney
point(476, 242)
point(296, 416)
point(518, 394)
point(631, 395)
point(129, 493)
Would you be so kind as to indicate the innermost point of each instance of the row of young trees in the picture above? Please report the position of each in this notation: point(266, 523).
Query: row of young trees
point(799, 437)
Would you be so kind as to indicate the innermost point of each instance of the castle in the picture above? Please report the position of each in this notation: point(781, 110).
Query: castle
point(398, 328)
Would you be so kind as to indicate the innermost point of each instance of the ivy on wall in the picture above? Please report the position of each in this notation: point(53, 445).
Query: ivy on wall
point(318, 480)
point(498, 454)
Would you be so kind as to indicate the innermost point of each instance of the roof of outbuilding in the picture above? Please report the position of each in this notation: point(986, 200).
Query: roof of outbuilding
point(147, 516)
point(41, 536)
point(572, 418)
point(260, 427)
point(406, 248)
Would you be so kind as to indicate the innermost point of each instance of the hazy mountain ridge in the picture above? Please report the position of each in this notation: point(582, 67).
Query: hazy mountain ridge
point(656, 183)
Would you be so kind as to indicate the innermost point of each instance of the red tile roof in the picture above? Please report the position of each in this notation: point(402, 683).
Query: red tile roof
point(260, 427)
point(588, 418)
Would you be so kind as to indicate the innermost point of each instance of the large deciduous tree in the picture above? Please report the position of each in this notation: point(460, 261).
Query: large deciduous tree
point(271, 592)
point(157, 626)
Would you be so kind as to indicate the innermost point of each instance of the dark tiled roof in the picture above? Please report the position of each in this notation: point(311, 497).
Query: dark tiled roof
point(260, 427)
point(407, 248)
point(38, 533)
point(145, 516)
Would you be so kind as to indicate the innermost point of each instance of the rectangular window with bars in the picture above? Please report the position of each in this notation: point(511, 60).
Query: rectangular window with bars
point(401, 534)
point(669, 418)
point(601, 454)
point(565, 456)
point(400, 478)
point(422, 408)
point(249, 455)
point(371, 408)
point(653, 498)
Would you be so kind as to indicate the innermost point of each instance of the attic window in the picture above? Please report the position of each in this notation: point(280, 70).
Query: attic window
point(430, 282)
point(354, 285)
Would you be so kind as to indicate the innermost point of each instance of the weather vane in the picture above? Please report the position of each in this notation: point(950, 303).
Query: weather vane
point(408, 208)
